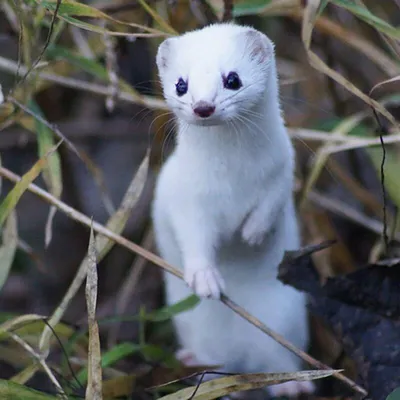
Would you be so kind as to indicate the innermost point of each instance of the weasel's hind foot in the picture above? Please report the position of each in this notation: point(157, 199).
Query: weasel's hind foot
point(186, 357)
point(292, 389)
point(205, 282)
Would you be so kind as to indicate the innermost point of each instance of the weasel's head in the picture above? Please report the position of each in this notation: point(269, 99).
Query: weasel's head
point(215, 74)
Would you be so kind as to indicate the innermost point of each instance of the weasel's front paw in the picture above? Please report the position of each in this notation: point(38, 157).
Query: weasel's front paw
point(205, 282)
point(253, 232)
point(292, 388)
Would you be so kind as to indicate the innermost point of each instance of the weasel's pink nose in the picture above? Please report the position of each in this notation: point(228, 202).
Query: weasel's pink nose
point(203, 109)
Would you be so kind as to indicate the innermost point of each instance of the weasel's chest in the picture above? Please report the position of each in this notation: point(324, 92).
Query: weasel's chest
point(224, 192)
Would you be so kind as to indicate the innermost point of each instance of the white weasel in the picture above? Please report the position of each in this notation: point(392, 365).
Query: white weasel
point(223, 207)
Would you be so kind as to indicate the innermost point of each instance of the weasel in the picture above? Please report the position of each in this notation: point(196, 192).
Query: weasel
point(223, 208)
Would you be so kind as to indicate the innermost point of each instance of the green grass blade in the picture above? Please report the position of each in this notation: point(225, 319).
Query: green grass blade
point(8, 247)
point(11, 200)
point(371, 19)
point(13, 391)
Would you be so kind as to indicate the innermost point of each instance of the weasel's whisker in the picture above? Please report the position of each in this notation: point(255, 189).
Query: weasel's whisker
point(256, 128)
point(176, 100)
point(237, 92)
point(235, 129)
point(145, 111)
point(169, 135)
point(162, 115)
point(160, 128)
point(253, 114)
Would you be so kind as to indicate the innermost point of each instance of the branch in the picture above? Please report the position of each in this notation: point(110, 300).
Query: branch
point(82, 129)
point(79, 84)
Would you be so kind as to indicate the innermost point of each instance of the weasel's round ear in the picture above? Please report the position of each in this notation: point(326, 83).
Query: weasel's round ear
point(261, 48)
point(163, 54)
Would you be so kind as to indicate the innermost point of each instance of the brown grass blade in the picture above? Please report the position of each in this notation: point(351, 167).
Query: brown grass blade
point(309, 19)
point(223, 386)
point(94, 385)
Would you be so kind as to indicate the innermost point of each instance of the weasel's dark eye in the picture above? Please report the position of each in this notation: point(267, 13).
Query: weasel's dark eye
point(232, 81)
point(181, 87)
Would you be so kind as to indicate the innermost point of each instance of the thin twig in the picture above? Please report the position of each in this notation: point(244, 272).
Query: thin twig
point(100, 229)
point(64, 351)
point(82, 129)
point(360, 144)
point(42, 362)
point(52, 127)
point(324, 136)
point(342, 209)
point(382, 131)
point(79, 84)
point(384, 197)
point(122, 128)
point(46, 45)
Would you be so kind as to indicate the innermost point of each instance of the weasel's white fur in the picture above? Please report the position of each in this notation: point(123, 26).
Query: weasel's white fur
point(223, 208)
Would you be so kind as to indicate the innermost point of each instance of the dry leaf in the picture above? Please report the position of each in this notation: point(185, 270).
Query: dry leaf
point(223, 386)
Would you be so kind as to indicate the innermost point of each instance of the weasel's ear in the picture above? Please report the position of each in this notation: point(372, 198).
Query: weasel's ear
point(163, 54)
point(261, 48)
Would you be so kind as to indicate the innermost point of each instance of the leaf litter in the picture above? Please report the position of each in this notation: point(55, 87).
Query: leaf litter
point(362, 309)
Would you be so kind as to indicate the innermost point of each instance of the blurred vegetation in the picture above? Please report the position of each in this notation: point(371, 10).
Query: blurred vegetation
point(82, 117)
